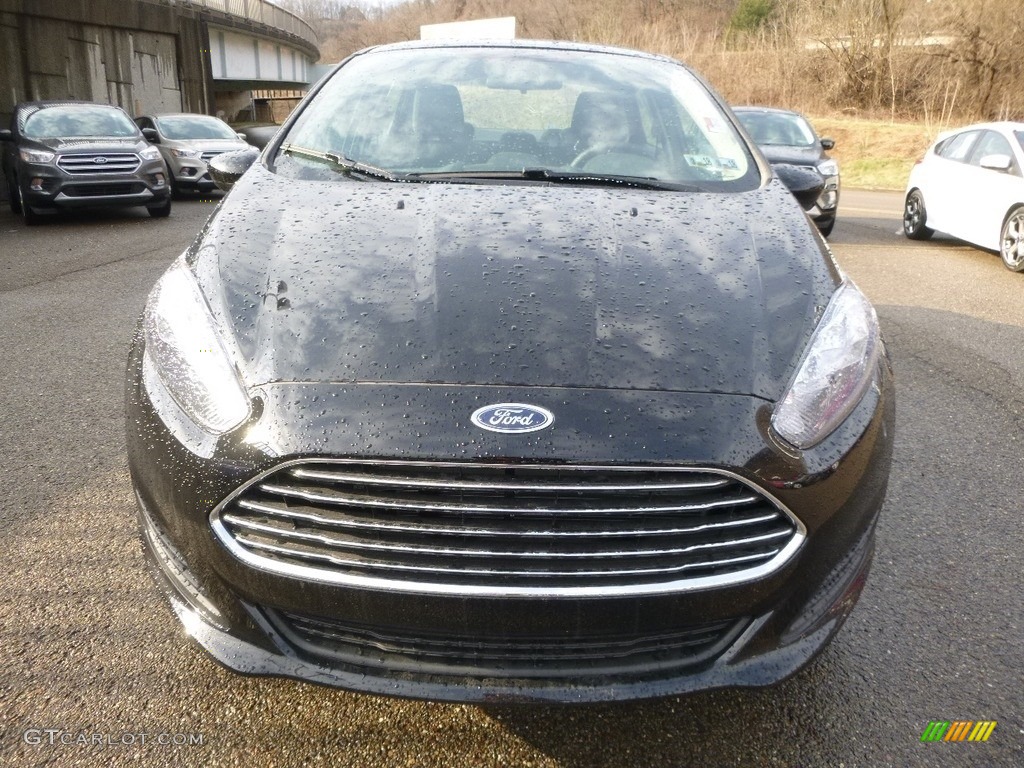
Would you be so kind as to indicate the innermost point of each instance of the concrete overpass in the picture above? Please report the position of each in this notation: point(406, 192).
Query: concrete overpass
point(152, 55)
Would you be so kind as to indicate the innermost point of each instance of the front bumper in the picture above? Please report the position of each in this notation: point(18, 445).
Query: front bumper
point(257, 622)
point(190, 173)
point(825, 208)
point(46, 186)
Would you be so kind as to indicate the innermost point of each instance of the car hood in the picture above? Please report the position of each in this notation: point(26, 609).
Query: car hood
point(793, 155)
point(514, 285)
point(213, 145)
point(91, 144)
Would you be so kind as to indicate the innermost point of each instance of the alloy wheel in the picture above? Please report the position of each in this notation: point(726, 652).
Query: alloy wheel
point(1012, 242)
point(912, 215)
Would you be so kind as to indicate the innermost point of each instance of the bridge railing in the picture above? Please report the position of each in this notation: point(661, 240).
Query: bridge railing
point(263, 12)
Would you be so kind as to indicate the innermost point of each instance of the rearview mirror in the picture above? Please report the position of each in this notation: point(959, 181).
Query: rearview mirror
point(151, 135)
point(6, 135)
point(1000, 163)
point(805, 185)
point(227, 168)
point(828, 144)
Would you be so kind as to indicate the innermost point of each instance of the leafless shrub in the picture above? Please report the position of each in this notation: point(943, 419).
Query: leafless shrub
point(941, 61)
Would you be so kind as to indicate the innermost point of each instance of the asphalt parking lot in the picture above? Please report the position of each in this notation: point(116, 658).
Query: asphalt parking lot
point(90, 653)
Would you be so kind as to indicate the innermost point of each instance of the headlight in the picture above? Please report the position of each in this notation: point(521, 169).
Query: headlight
point(834, 373)
point(828, 168)
point(150, 153)
point(185, 152)
point(189, 356)
point(35, 156)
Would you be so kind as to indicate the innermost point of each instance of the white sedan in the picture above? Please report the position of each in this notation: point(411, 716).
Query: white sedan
point(970, 184)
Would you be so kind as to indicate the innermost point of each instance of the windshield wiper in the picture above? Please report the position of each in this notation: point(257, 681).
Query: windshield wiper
point(560, 177)
point(343, 163)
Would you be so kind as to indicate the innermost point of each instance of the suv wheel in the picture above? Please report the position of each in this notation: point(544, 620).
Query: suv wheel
point(13, 197)
point(31, 217)
point(160, 211)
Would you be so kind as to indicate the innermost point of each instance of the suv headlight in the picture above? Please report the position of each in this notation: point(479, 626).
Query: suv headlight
point(185, 152)
point(828, 168)
point(836, 370)
point(35, 156)
point(189, 356)
point(150, 153)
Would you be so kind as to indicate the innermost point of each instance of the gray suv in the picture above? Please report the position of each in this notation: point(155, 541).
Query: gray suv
point(76, 154)
point(187, 143)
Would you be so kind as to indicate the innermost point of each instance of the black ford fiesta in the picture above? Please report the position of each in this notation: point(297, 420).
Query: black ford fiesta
point(510, 372)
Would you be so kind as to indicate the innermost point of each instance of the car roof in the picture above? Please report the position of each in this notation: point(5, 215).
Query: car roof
point(37, 105)
point(1006, 125)
point(178, 114)
point(999, 125)
point(767, 110)
point(556, 45)
point(25, 109)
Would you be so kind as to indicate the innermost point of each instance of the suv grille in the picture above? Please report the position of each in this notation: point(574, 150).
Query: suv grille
point(496, 655)
point(501, 529)
point(104, 190)
point(93, 163)
point(210, 154)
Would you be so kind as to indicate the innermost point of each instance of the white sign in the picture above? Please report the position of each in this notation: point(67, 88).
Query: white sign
point(478, 29)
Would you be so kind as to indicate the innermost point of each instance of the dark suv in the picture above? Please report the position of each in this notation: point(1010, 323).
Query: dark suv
point(786, 137)
point(76, 154)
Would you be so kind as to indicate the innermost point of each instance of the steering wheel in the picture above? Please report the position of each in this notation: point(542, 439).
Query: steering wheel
point(590, 153)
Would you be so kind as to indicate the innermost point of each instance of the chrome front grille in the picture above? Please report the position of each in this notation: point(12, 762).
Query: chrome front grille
point(102, 162)
point(496, 654)
point(210, 154)
point(506, 529)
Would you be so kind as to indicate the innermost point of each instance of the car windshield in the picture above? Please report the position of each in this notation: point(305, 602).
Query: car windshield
point(185, 127)
point(1020, 138)
point(777, 129)
point(78, 122)
point(478, 113)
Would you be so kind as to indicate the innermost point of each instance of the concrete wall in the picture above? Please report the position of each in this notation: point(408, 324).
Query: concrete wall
point(134, 70)
point(142, 55)
point(128, 54)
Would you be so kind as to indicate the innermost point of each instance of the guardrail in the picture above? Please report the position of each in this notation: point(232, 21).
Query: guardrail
point(260, 11)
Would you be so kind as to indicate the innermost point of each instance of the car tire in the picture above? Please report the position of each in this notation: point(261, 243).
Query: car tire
point(1011, 240)
point(31, 217)
point(915, 216)
point(178, 191)
point(13, 199)
point(160, 211)
point(827, 227)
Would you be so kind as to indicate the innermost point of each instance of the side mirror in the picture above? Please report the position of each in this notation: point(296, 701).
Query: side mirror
point(828, 144)
point(6, 135)
point(151, 135)
point(805, 185)
point(241, 136)
point(227, 168)
point(1001, 163)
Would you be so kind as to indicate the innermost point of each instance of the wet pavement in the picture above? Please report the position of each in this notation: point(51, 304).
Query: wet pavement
point(94, 670)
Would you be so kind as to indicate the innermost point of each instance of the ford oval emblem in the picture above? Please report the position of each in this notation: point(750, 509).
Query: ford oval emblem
point(512, 417)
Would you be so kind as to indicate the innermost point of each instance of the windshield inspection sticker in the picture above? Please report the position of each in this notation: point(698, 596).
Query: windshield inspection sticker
point(701, 161)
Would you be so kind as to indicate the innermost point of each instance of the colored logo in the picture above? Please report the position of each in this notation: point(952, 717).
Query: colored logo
point(958, 730)
point(512, 417)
